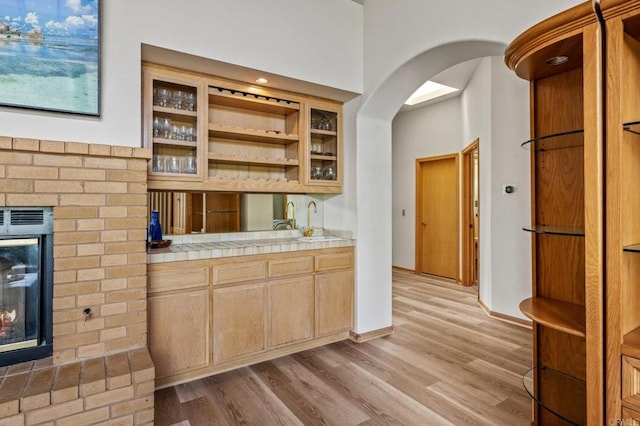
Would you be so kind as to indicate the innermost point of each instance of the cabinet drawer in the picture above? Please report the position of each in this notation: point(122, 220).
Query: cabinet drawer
point(291, 266)
point(178, 279)
point(332, 261)
point(238, 272)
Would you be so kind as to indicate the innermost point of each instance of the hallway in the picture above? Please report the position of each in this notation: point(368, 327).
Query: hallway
point(446, 363)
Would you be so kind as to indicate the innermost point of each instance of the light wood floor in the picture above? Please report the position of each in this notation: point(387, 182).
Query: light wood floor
point(446, 363)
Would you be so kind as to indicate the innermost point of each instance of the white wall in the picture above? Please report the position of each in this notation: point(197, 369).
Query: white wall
point(286, 37)
point(510, 246)
point(422, 132)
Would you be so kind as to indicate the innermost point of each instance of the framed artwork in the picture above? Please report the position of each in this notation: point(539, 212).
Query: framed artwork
point(50, 55)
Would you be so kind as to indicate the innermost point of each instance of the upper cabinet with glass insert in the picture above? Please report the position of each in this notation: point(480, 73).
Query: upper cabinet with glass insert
point(210, 134)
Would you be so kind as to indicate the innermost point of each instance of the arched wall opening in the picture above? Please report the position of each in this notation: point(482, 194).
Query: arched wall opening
point(374, 174)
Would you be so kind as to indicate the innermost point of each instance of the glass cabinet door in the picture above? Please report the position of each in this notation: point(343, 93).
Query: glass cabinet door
point(172, 127)
point(324, 147)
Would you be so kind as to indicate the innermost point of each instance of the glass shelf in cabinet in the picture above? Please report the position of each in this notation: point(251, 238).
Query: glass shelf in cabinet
point(632, 127)
point(633, 248)
point(576, 231)
point(558, 383)
point(562, 140)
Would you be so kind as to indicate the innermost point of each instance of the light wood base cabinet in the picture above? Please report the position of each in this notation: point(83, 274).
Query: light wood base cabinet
point(250, 309)
point(179, 331)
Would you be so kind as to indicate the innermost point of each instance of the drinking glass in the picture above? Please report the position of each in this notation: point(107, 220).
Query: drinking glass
point(157, 126)
point(163, 97)
point(173, 164)
point(316, 173)
point(166, 128)
point(190, 135)
point(158, 163)
point(178, 99)
point(190, 101)
point(329, 173)
point(183, 133)
point(175, 132)
point(190, 164)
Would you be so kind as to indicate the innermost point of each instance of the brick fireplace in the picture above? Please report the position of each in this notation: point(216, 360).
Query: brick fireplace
point(100, 370)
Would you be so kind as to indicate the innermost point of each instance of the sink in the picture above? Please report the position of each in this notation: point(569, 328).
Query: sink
point(318, 238)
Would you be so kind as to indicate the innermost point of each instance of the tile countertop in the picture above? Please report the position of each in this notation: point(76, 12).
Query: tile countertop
point(208, 246)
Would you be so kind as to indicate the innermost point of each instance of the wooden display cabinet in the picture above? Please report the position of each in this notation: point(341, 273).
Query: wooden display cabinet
point(560, 59)
point(244, 138)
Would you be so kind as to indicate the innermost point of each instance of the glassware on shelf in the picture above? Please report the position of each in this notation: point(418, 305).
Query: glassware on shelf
point(316, 173)
point(157, 127)
point(175, 132)
point(178, 99)
point(190, 101)
point(158, 163)
point(190, 164)
point(166, 128)
point(163, 97)
point(329, 173)
point(173, 164)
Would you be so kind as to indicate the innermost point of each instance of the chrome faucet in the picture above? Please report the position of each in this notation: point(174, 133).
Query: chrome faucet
point(315, 210)
point(293, 214)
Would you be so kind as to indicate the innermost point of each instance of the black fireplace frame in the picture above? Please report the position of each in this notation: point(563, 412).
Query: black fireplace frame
point(33, 222)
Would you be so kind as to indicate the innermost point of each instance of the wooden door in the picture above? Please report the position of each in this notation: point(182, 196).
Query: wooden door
point(437, 216)
point(470, 214)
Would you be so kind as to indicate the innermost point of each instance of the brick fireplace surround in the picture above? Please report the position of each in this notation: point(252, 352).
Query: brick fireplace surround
point(100, 372)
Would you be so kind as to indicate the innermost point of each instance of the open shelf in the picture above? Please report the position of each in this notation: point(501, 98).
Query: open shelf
point(576, 231)
point(251, 101)
point(540, 379)
point(230, 159)
point(174, 142)
point(178, 113)
point(561, 140)
point(252, 135)
point(566, 317)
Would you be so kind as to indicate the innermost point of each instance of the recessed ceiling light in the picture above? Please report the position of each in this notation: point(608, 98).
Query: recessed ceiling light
point(261, 80)
point(557, 60)
point(429, 90)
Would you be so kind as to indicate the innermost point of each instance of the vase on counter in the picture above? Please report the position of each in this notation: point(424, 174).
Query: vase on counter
point(155, 230)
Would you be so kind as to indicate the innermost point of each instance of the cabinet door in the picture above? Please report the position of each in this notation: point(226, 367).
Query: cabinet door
point(291, 309)
point(179, 332)
point(324, 148)
point(238, 321)
point(173, 124)
point(334, 302)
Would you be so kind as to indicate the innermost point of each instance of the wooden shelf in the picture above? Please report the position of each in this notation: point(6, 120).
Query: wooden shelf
point(324, 157)
point(252, 135)
point(631, 343)
point(251, 101)
point(323, 132)
point(566, 317)
point(176, 112)
point(256, 161)
point(173, 142)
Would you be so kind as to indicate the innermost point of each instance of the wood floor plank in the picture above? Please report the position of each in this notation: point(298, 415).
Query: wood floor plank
point(447, 362)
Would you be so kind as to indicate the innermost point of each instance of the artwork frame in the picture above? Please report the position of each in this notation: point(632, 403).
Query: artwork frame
point(50, 55)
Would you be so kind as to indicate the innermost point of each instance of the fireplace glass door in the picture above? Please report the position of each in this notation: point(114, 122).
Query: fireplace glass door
point(19, 292)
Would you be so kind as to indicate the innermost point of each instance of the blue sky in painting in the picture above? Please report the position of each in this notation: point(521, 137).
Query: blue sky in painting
point(65, 18)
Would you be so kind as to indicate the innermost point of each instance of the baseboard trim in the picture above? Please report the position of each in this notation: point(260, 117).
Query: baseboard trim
point(370, 335)
point(400, 268)
point(506, 318)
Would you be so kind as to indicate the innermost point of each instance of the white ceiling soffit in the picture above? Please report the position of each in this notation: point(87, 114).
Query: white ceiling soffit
point(172, 58)
point(457, 76)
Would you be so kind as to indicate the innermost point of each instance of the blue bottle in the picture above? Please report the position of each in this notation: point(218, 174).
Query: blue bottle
point(155, 230)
